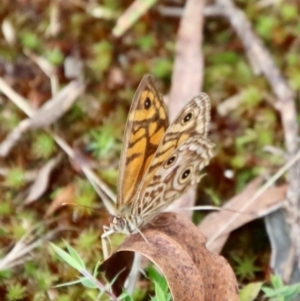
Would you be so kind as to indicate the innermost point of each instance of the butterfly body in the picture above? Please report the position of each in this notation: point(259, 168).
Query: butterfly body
point(125, 224)
point(159, 162)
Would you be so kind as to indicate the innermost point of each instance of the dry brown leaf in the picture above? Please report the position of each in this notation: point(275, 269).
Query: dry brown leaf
point(177, 248)
point(212, 223)
point(54, 108)
point(65, 195)
point(44, 116)
point(41, 182)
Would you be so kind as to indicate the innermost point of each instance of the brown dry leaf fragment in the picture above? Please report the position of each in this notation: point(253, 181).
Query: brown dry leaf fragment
point(64, 196)
point(73, 66)
point(271, 200)
point(178, 249)
point(41, 182)
point(57, 106)
point(44, 116)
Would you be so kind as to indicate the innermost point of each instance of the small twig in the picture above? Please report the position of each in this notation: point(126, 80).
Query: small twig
point(47, 68)
point(177, 12)
point(17, 99)
point(187, 74)
point(98, 284)
point(21, 250)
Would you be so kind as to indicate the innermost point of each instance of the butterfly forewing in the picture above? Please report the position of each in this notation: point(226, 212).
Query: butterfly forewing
point(146, 125)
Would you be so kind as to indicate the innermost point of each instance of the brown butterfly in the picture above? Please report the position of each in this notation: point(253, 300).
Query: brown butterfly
point(158, 161)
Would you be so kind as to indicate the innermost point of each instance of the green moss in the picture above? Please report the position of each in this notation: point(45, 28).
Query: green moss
point(15, 292)
point(43, 146)
point(15, 178)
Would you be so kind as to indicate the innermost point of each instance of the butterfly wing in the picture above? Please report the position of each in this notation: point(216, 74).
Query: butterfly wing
point(173, 177)
point(146, 125)
point(193, 120)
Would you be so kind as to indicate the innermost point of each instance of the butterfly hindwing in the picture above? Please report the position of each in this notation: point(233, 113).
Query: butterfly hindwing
point(179, 171)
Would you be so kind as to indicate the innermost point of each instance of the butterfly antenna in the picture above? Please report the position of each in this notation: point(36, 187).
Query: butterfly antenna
point(208, 207)
point(75, 204)
point(105, 236)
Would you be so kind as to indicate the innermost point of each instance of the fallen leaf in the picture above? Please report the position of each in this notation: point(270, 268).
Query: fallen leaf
point(41, 182)
point(212, 223)
point(54, 108)
point(177, 248)
point(65, 195)
point(44, 116)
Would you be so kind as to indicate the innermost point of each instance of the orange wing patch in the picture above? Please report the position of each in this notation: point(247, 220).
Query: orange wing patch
point(146, 126)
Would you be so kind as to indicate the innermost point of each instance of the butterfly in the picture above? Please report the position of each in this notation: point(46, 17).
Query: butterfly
point(159, 161)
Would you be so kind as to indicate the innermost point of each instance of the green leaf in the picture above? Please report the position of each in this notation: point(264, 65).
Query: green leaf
point(67, 258)
point(276, 281)
point(95, 272)
point(159, 293)
point(250, 291)
point(125, 296)
point(88, 283)
point(157, 277)
point(75, 255)
point(69, 283)
point(292, 291)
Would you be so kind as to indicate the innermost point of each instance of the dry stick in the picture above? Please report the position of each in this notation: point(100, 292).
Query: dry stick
point(262, 62)
point(258, 193)
point(17, 99)
point(22, 103)
point(24, 247)
point(187, 73)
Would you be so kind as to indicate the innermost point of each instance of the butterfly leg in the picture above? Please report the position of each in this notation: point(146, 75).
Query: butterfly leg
point(144, 237)
point(105, 241)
